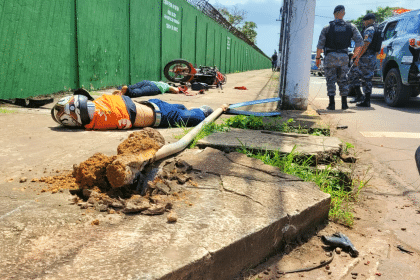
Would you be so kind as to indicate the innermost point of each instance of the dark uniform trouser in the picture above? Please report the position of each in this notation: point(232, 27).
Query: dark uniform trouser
point(367, 66)
point(336, 66)
point(354, 76)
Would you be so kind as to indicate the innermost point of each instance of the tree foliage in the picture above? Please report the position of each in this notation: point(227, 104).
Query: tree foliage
point(248, 29)
point(381, 14)
point(236, 17)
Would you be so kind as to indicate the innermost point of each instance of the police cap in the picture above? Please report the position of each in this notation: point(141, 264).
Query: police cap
point(369, 16)
point(338, 8)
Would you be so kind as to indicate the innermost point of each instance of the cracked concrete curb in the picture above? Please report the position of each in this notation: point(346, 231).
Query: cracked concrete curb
point(286, 221)
point(320, 146)
point(237, 216)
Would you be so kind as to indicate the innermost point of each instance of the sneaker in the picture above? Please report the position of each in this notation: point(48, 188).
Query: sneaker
point(206, 109)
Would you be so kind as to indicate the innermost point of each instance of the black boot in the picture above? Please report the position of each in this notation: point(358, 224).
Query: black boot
point(366, 101)
point(359, 96)
point(331, 106)
point(344, 105)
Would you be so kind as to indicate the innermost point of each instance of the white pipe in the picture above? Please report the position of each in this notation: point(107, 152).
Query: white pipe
point(182, 143)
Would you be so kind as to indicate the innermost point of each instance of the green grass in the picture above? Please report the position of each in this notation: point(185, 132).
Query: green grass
point(252, 122)
point(341, 188)
point(6, 111)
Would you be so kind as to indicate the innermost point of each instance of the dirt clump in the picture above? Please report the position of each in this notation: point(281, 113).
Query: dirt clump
point(92, 172)
point(134, 154)
point(58, 183)
point(146, 140)
point(96, 182)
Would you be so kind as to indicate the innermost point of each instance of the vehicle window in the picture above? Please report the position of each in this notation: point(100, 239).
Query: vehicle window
point(413, 25)
point(390, 30)
point(401, 28)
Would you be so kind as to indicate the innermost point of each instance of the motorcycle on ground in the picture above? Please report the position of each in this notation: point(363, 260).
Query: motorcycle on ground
point(182, 71)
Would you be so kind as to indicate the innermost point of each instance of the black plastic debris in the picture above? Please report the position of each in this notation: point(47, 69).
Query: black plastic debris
point(340, 240)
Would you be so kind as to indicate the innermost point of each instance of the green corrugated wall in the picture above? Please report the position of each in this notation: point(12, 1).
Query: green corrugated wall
point(145, 40)
point(51, 46)
point(103, 42)
point(37, 47)
point(189, 30)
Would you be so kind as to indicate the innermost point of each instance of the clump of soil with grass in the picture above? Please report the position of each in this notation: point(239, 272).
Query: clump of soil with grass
point(100, 182)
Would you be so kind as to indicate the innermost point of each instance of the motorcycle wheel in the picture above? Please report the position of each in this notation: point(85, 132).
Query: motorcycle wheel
point(177, 71)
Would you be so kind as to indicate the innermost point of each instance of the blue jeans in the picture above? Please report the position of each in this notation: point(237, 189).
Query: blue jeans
point(143, 88)
point(177, 114)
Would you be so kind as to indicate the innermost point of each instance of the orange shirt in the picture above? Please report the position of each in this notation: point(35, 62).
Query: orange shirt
point(110, 113)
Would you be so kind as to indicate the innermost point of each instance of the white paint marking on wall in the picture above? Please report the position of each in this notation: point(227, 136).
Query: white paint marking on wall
point(389, 134)
point(16, 209)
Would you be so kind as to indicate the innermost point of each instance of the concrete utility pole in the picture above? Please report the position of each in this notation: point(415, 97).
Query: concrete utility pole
point(297, 29)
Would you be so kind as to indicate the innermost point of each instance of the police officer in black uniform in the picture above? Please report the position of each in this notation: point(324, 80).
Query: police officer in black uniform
point(367, 56)
point(335, 39)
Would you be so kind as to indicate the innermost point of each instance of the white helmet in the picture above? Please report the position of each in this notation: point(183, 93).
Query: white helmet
point(71, 111)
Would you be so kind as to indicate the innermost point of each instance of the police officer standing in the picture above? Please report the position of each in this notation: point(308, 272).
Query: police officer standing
point(367, 57)
point(335, 39)
point(354, 82)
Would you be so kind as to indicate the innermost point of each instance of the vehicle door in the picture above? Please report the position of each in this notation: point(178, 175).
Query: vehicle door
point(383, 57)
point(377, 73)
point(403, 56)
point(413, 55)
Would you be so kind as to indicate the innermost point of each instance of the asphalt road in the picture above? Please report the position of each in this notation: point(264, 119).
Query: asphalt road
point(390, 134)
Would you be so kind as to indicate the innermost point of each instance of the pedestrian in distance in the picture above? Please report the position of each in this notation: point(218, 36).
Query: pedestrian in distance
point(366, 58)
point(120, 112)
point(334, 40)
point(274, 58)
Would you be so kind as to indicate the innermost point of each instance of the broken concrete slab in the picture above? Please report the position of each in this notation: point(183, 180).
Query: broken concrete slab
point(272, 141)
point(231, 223)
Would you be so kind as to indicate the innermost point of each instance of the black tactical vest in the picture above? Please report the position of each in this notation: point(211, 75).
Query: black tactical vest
point(375, 45)
point(338, 38)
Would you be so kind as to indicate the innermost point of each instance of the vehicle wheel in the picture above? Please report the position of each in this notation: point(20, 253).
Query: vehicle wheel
point(177, 71)
point(417, 157)
point(395, 93)
point(415, 91)
point(319, 74)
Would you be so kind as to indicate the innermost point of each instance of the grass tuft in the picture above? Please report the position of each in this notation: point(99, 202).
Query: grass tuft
point(6, 111)
point(342, 189)
point(329, 180)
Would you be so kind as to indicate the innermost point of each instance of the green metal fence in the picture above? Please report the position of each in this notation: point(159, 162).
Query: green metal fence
point(52, 46)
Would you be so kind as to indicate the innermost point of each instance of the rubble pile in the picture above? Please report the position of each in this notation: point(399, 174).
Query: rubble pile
point(122, 183)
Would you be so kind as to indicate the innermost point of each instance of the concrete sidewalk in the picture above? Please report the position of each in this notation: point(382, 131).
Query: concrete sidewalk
point(240, 211)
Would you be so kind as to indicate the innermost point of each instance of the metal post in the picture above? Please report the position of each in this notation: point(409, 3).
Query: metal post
point(295, 45)
point(283, 46)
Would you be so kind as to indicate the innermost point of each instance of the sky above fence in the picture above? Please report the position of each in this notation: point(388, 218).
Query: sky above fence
point(265, 12)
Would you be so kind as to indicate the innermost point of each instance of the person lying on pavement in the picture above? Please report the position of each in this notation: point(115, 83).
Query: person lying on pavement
point(120, 112)
point(146, 88)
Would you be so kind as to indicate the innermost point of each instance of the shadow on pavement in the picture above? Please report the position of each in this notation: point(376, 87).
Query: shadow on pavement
point(413, 106)
point(335, 112)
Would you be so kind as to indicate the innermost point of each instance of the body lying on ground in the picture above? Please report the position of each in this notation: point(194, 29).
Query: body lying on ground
point(146, 88)
point(121, 112)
